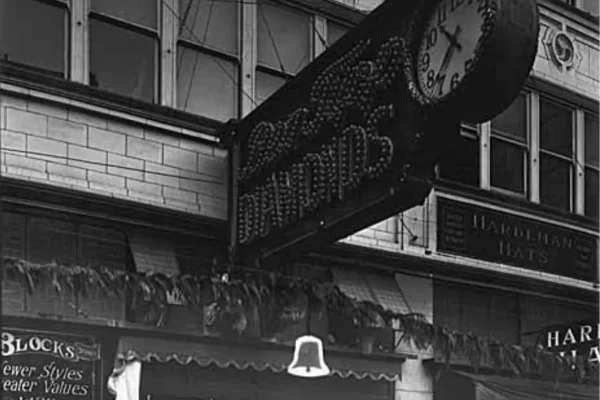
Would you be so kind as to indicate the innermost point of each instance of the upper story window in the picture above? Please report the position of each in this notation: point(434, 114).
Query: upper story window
point(556, 154)
point(283, 46)
point(208, 58)
point(509, 148)
point(123, 47)
point(46, 50)
point(591, 166)
point(335, 32)
point(461, 162)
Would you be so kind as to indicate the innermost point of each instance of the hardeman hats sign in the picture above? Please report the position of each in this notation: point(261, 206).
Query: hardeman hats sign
point(47, 366)
point(355, 136)
point(580, 338)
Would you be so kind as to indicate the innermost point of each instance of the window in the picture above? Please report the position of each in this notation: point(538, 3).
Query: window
point(46, 50)
point(556, 154)
point(283, 46)
point(591, 6)
point(123, 47)
point(334, 32)
point(509, 149)
point(460, 163)
point(591, 166)
point(207, 58)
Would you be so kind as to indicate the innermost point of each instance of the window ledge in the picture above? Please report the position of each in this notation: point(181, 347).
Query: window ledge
point(206, 128)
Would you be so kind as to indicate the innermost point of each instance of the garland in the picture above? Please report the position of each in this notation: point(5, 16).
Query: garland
point(274, 293)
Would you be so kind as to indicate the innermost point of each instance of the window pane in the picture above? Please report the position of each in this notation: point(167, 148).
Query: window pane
point(334, 32)
point(121, 60)
point(12, 232)
point(461, 162)
point(266, 85)
point(591, 140)
point(283, 34)
point(591, 193)
point(556, 128)
point(508, 166)
point(143, 12)
point(513, 121)
point(102, 247)
point(51, 240)
point(591, 6)
point(555, 182)
point(206, 85)
point(212, 22)
point(46, 49)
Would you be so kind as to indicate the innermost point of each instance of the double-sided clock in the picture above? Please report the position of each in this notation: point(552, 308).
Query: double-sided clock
point(470, 57)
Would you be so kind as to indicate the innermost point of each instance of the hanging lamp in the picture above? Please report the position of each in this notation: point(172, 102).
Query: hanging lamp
point(308, 359)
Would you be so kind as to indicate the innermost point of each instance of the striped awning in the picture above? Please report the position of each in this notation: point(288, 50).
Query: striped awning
point(259, 356)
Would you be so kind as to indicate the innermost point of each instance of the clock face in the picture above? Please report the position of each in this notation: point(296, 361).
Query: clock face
point(448, 46)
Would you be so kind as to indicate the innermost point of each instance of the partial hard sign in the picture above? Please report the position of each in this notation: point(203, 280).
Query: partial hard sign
point(575, 339)
point(484, 234)
point(354, 138)
point(47, 366)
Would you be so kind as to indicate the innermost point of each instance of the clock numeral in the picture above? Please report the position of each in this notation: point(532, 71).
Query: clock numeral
point(441, 12)
point(425, 61)
point(468, 65)
point(432, 38)
point(440, 82)
point(454, 81)
point(454, 4)
point(482, 6)
point(430, 79)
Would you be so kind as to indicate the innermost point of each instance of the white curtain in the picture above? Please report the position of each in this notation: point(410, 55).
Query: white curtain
point(124, 382)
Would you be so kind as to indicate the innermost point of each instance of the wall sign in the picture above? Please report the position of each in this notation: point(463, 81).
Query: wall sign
point(48, 366)
point(346, 143)
point(481, 233)
point(579, 338)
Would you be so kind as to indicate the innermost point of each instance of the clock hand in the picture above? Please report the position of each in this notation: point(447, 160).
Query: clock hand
point(452, 38)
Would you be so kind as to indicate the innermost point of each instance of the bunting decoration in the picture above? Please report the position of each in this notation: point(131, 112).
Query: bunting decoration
point(270, 293)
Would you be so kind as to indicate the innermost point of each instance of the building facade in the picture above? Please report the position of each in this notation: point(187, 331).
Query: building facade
point(109, 117)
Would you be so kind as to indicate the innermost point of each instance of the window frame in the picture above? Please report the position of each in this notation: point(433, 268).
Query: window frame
point(572, 160)
point(526, 145)
point(196, 46)
point(66, 74)
point(584, 163)
point(154, 33)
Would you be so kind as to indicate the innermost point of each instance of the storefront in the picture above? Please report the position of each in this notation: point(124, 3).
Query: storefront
point(53, 361)
point(216, 369)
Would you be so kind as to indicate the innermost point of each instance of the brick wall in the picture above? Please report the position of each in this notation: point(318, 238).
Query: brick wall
point(55, 142)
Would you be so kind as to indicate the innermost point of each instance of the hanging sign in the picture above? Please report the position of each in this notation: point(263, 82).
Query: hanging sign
point(484, 234)
point(47, 366)
point(579, 338)
point(354, 138)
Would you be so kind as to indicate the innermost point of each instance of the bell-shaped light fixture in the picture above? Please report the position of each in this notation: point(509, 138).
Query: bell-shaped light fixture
point(308, 359)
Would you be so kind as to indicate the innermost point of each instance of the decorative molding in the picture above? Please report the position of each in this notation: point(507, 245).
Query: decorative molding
point(562, 48)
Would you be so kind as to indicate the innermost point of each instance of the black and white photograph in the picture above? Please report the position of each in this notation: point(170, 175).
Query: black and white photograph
point(300, 199)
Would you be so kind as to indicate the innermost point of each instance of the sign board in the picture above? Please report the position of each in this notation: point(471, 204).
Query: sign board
point(48, 366)
point(481, 233)
point(353, 139)
point(579, 338)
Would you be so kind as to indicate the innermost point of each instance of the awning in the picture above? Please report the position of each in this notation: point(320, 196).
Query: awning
point(462, 385)
point(258, 356)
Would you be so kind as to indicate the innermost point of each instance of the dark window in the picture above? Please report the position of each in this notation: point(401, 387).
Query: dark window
point(591, 6)
point(207, 58)
point(123, 47)
point(591, 165)
point(555, 181)
point(556, 154)
point(45, 50)
point(283, 46)
point(334, 32)
point(508, 166)
point(460, 163)
point(508, 151)
point(283, 37)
